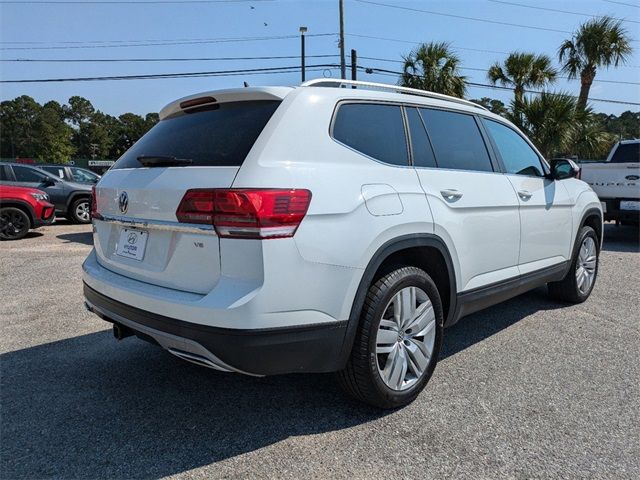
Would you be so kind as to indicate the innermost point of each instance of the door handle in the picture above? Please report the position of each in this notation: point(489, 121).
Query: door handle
point(524, 194)
point(451, 194)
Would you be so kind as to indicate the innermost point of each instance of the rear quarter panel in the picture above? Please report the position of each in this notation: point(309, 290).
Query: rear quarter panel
point(339, 230)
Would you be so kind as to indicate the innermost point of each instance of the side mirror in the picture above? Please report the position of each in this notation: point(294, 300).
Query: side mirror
point(48, 182)
point(562, 168)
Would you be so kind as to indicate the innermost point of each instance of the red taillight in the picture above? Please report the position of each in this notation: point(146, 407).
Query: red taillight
point(94, 204)
point(246, 213)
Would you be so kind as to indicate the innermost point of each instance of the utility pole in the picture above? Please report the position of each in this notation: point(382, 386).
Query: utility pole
point(343, 66)
point(303, 30)
point(354, 65)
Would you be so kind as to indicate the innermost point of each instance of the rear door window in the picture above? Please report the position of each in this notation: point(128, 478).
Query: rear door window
point(28, 175)
point(373, 129)
point(218, 136)
point(57, 171)
point(457, 141)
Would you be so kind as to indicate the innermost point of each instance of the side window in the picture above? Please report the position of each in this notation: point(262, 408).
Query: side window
point(26, 174)
point(422, 152)
point(375, 130)
point(58, 172)
point(457, 141)
point(82, 176)
point(518, 157)
point(4, 176)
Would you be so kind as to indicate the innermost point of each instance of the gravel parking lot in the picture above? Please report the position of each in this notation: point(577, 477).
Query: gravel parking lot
point(529, 388)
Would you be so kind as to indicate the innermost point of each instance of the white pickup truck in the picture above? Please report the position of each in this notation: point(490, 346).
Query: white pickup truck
point(616, 181)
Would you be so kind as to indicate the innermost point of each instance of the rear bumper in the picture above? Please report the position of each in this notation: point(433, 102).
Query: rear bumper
point(613, 211)
point(307, 348)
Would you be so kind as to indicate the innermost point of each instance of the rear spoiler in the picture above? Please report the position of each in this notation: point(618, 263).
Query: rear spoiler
point(224, 96)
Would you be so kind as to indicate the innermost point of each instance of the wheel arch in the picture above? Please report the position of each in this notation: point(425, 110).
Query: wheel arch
point(428, 248)
point(592, 217)
point(22, 205)
point(75, 196)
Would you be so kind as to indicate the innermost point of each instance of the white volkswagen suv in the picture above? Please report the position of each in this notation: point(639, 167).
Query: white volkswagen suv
point(318, 229)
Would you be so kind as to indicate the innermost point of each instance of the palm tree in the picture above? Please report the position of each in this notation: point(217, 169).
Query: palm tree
point(434, 67)
point(522, 71)
point(557, 127)
point(600, 42)
point(591, 140)
point(548, 120)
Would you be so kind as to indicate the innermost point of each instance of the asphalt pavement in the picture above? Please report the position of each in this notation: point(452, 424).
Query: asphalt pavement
point(528, 388)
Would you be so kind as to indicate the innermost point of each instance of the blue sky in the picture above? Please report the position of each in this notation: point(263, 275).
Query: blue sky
point(188, 30)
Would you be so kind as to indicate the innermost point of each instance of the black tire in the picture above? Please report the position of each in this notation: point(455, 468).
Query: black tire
point(78, 209)
point(14, 223)
point(361, 378)
point(567, 289)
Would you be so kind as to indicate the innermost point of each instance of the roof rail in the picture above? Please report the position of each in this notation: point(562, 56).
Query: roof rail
point(338, 83)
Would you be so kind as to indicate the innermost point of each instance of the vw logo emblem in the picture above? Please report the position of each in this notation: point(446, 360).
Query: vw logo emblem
point(123, 202)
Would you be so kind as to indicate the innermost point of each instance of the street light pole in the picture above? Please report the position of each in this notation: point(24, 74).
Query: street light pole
point(343, 65)
point(303, 30)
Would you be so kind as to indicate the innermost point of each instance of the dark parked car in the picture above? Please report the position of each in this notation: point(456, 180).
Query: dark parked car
point(70, 173)
point(71, 199)
point(22, 209)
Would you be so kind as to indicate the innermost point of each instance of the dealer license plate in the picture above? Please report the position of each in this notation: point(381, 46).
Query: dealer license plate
point(132, 243)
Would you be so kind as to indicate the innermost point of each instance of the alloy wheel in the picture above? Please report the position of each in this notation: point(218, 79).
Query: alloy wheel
point(12, 224)
point(405, 338)
point(83, 211)
point(586, 265)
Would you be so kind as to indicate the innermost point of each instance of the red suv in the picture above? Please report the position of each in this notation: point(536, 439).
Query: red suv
point(22, 208)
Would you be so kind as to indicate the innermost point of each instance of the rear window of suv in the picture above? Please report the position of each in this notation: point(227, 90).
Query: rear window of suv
point(220, 136)
point(626, 153)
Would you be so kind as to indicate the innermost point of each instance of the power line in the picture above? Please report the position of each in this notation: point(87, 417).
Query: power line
point(383, 71)
point(198, 59)
point(286, 69)
point(462, 17)
point(622, 3)
point(120, 2)
point(417, 42)
point(171, 42)
point(476, 69)
point(413, 42)
point(555, 10)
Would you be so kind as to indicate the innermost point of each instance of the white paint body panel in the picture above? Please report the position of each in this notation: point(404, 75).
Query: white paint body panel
point(358, 204)
point(481, 228)
point(545, 220)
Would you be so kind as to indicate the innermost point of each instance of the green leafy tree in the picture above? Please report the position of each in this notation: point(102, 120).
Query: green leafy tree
point(19, 127)
point(623, 127)
point(600, 42)
point(558, 127)
point(495, 106)
point(590, 139)
point(548, 120)
point(434, 67)
point(522, 71)
point(55, 135)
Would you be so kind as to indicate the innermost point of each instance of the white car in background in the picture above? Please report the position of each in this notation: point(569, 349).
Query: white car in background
point(616, 181)
point(274, 230)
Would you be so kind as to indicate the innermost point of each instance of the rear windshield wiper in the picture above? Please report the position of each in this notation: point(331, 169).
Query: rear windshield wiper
point(163, 161)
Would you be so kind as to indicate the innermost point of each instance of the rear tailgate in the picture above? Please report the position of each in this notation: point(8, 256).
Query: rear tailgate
point(137, 233)
point(613, 180)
